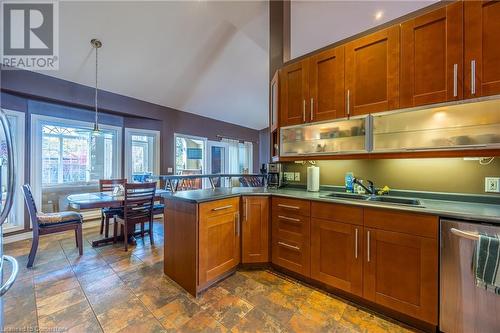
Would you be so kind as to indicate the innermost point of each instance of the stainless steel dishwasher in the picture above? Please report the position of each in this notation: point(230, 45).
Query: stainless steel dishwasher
point(463, 306)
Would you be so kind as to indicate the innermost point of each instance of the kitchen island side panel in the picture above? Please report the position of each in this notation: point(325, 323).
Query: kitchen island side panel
point(181, 243)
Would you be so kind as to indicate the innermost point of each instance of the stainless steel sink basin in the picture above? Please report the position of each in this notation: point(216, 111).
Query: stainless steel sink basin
point(397, 200)
point(348, 196)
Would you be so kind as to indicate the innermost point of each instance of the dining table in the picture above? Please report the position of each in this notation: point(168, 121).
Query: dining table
point(98, 200)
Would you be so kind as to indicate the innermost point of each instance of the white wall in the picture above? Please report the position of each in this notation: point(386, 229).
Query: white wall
point(315, 24)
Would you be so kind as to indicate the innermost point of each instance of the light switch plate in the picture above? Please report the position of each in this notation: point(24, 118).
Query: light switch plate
point(290, 176)
point(492, 184)
point(170, 170)
point(297, 176)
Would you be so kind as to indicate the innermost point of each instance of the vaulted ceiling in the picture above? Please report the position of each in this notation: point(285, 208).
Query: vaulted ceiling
point(204, 57)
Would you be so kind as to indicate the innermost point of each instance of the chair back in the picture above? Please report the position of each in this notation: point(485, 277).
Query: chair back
point(139, 201)
point(107, 185)
point(30, 203)
point(251, 181)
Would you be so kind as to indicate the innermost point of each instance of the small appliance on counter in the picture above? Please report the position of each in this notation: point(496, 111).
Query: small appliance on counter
point(313, 179)
point(274, 175)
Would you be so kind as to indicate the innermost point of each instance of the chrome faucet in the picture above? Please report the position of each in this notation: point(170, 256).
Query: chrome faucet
point(370, 189)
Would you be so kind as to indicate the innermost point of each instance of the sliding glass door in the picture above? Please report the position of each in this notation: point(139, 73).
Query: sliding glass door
point(68, 158)
point(218, 159)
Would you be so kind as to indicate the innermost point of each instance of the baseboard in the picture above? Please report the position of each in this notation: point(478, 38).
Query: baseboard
point(29, 234)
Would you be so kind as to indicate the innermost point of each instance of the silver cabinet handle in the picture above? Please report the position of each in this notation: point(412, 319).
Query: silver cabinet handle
point(288, 206)
point(304, 110)
point(13, 274)
point(455, 80)
point(222, 208)
point(473, 77)
point(368, 245)
point(356, 244)
point(289, 246)
point(246, 209)
point(312, 108)
point(288, 218)
point(348, 103)
point(237, 223)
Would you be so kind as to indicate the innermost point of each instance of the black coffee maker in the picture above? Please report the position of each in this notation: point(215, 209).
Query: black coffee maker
point(274, 175)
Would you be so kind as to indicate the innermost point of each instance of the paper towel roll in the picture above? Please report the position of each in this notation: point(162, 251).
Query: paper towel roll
point(313, 179)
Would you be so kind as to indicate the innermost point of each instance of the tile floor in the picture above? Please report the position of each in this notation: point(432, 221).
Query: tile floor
point(110, 290)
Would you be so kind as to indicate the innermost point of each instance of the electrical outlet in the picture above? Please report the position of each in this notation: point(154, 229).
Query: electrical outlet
point(170, 170)
point(290, 176)
point(492, 184)
point(297, 176)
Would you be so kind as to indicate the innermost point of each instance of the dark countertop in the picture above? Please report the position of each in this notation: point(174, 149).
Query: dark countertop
point(444, 208)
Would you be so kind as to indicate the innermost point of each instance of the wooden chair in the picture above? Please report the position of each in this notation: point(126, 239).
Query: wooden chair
point(48, 223)
point(108, 185)
point(138, 208)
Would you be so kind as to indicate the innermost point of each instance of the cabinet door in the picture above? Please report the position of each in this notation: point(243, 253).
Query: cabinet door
point(326, 85)
point(295, 92)
point(336, 255)
point(255, 230)
point(219, 249)
point(401, 273)
point(432, 57)
point(372, 72)
point(482, 48)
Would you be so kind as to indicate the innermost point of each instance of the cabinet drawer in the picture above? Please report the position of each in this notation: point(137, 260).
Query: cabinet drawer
point(337, 212)
point(292, 255)
point(290, 223)
point(286, 206)
point(220, 207)
point(405, 222)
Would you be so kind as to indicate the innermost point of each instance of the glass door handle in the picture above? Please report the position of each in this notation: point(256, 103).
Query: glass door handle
point(10, 168)
point(13, 275)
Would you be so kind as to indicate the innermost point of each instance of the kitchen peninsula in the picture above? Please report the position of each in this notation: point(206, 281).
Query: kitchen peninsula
point(341, 244)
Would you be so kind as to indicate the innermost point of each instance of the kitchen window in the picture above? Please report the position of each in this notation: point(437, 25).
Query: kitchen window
point(142, 152)
point(68, 158)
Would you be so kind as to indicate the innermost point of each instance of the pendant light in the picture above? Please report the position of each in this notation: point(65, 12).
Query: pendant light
point(96, 44)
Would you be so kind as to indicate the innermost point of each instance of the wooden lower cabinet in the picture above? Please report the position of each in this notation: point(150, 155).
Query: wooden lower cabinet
point(219, 239)
point(255, 229)
point(401, 273)
point(336, 255)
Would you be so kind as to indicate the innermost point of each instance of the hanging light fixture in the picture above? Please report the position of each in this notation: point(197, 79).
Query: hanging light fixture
point(96, 44)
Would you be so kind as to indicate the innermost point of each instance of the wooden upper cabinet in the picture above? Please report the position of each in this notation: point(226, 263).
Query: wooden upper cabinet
point(326, 85)
point(372, 72)
point(482, 48)
point(255, 229)
point(294, 93)
point(432, 57)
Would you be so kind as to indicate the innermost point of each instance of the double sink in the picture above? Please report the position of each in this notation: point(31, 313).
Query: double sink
point(383, 199)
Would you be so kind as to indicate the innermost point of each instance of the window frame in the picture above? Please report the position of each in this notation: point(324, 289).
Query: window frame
point(37, 122)
point(129, 132)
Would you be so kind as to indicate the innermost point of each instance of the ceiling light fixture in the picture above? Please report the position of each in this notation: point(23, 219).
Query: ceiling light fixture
point(96, 44)
point(379, 15)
